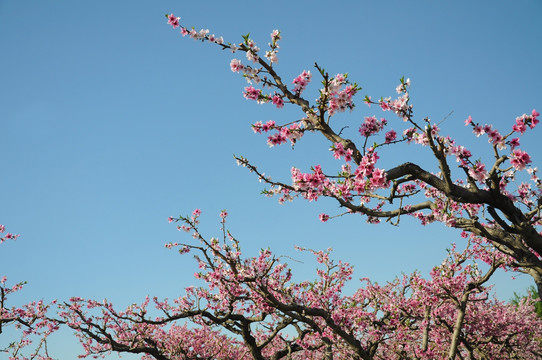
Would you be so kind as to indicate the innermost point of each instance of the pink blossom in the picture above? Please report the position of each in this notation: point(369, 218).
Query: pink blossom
point(193, 34)
point(202, 34)
point(257, 127)
point(478, 130)
point(251, 93)
point(519, 126)
point(519, 159)
point(534, 118)
point(526, 120)
point(252, 56)
point(478, 172)
point(236, 65)
point(271, 55)
point(402, 87)
point(390, 136)
point(173, 21)
point(278, 101)
point(494, 136)
point(277, 139)
point(468, 121)
point(302, 81)
point(338, 150)
point(270, 124)
point(372, 126)
point(275, 35)
point(252, 45)
point(514, 143)
point(323, 217)
point(378, 178)
point(384, 105)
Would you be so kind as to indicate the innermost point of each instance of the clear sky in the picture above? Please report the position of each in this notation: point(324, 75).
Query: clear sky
point(110, 122)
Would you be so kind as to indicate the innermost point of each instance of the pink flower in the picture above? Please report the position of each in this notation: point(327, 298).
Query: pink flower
point(384, 105)
point(275, 35)
point(519, 126)
point(348, 155)
point(170, 219)
point(302, 81)
point(494, 136)
point(236, 65)
point(270, 124)
point(391, 136)
point(519, 159)
point(252, 56)
point(173, 21)
point(478, 130)
point(272, 56)
point(277, 138)
point(196, 213)
point(378, 178)
point(514, 143)
point(278, 101)
point(251, 93)
point(468, 121)
point(534, 119)
point(338, 150)
point(257, 127)
point(324, 217)
point(478, 172)
point(372, 126)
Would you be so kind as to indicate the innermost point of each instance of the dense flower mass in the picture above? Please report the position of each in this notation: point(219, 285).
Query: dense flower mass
point(268, 315)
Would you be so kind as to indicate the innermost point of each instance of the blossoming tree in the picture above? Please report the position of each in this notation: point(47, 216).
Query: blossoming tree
point(252, 308)
point(498, 201)
point(30, 318)
point(268, 315)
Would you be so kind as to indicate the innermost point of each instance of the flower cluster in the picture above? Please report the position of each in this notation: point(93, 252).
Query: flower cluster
point(283, 134)
point(519, 159)
point(339, 151)
point(8, 236)
point(411, 316)
point(372, 126)
point(301, 81)
point(31, 318)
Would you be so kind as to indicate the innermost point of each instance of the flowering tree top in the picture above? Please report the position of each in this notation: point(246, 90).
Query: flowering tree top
point(498, 201)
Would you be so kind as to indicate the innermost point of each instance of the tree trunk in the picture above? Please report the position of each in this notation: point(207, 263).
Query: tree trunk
point(458, 326)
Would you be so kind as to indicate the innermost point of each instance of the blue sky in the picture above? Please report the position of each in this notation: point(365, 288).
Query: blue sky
point(110, 122)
